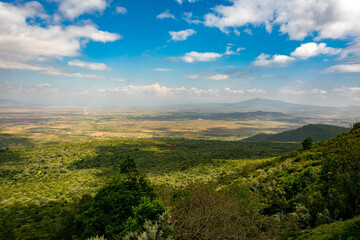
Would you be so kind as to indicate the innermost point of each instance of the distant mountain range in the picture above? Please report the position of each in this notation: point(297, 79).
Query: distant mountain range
point(260, 104)
point(231, 116)
point(317, 131)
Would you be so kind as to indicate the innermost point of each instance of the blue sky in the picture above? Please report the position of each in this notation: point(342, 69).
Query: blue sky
point(98, 52)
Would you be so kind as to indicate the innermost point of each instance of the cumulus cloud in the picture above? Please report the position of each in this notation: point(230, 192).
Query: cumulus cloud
point(29, 46)
point(21, 41)
point(89, 65)
point(345, 68)
point(165, 14)
point(121, 10)
point(193, 56)
point(74, 8)
point(298, 18)
point(163, 91)
point(181, 35)
point(267, 60)
point(312, 49)
point(303, 52)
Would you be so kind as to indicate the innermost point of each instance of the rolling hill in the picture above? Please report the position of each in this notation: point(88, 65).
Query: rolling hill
point(317, 131)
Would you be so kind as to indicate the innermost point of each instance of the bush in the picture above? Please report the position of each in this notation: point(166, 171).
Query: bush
point(306, 144)
point(158, 230)
point(120, 207)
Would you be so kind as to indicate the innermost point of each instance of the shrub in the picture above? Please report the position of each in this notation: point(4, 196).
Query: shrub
point(306, 144)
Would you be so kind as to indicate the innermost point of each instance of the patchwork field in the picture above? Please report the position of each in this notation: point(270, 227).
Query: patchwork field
point(27, 127)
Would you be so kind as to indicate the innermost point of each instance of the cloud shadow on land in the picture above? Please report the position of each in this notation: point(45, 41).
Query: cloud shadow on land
point(12, 140)
point(165, 156)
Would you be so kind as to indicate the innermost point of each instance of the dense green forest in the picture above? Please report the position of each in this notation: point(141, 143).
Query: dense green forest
point(318, 132)
point(182, 189)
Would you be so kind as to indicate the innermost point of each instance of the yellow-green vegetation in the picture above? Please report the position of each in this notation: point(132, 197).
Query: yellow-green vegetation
point(237, 190)
point(39, 183)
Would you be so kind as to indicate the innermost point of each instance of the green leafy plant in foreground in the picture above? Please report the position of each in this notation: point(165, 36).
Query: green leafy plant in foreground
point(120, 207)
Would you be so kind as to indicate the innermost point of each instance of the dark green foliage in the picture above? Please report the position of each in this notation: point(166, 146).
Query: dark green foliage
point(355, 126)
point(317, 131)
point(317, 186)
point(341, 230)
point(118, 208)
point(306, 144)
point(128, 167)
point(49, 181)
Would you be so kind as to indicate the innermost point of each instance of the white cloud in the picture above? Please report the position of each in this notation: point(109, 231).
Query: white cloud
point(163, 69)
point(312, 49)
point(181, 1)
point(218, 77)
point(43, 88)
point(163, 91)
point(318, 91)
point(101, 90)
point(346, 68)
point(10, 88)
point(298, 18)
point(89, 65)
point(291, 91)
point(303, 52)
point(215, 77)
point(266, 60)
point(181, 35)
point(248, 31)
point(188, 17)
point(348, 91)
point(154, 89)
point(231, 52)
point(121, 10)
point(22, 42)
point(117, 79)
point(165, 14)
point(243, 91)
point(57, 72)
point(193, 56)
point(74, 8)
point(19, 65)
point(85, 92)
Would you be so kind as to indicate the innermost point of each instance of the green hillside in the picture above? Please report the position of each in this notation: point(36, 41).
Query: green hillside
point(317, 131)
point(213, 189)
